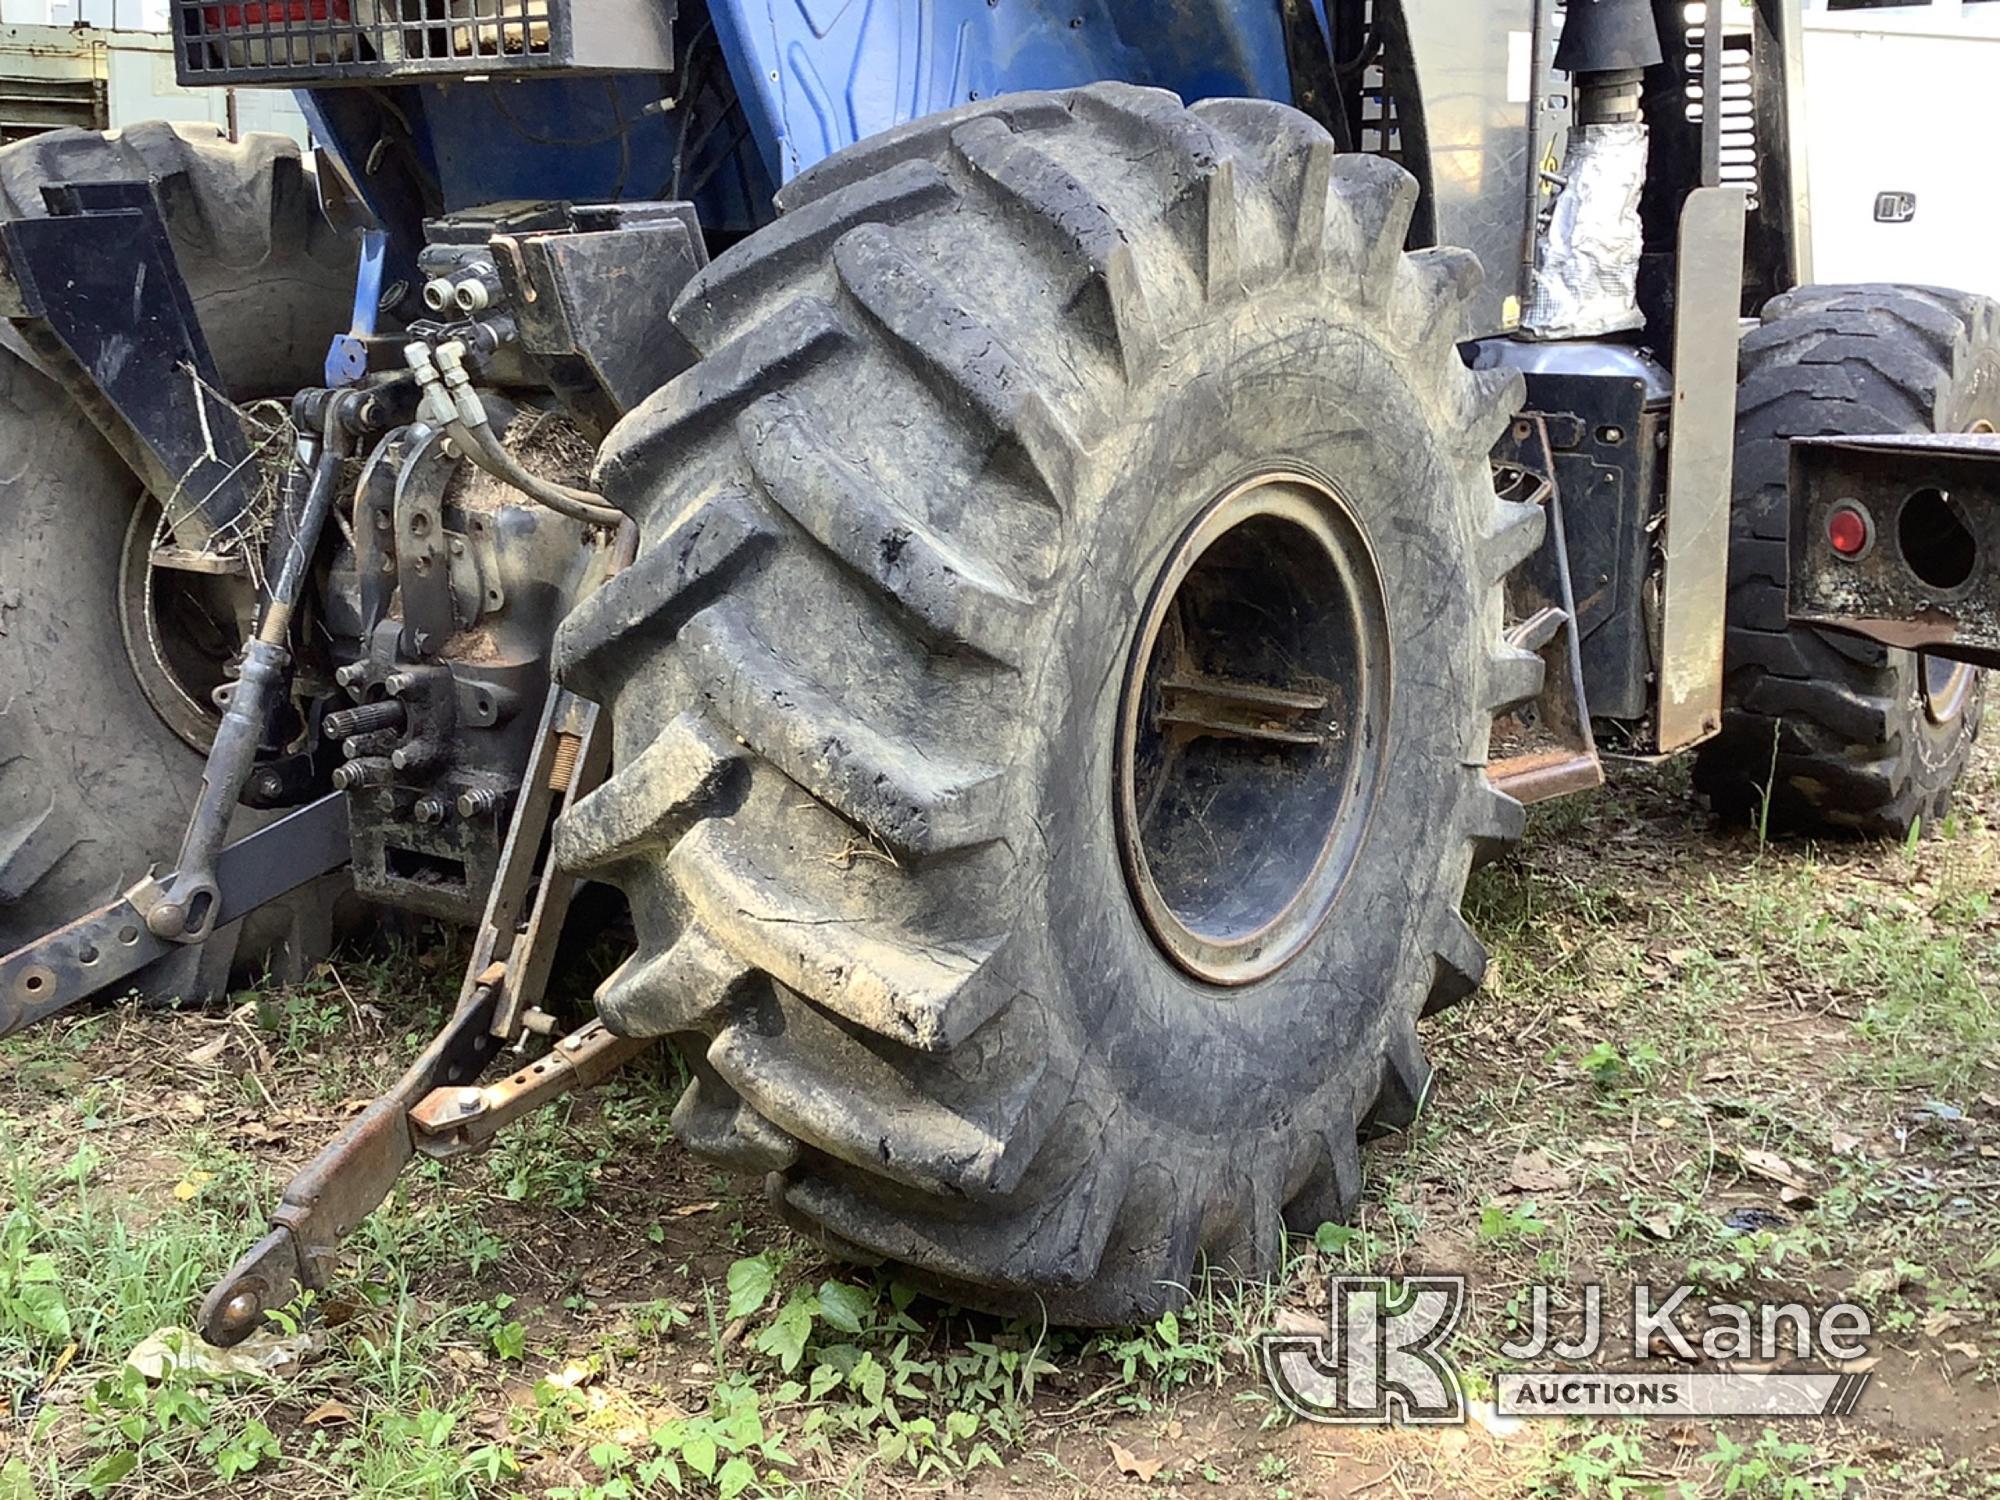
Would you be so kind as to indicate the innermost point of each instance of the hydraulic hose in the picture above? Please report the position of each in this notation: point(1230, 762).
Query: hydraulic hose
point(451, 403)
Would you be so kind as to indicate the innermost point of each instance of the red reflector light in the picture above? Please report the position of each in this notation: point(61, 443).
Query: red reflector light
point(1848, 531)
point(278, 13)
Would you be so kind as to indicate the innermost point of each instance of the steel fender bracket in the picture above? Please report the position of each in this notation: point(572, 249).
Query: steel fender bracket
point(1545, 748)
point(593, 302)
point(1919, 516)
point(1701, 443)
point(102, 301)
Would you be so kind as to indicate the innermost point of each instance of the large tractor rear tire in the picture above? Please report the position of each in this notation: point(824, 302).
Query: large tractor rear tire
point(1845, 734)
point(101, 660)
point(1051, 699)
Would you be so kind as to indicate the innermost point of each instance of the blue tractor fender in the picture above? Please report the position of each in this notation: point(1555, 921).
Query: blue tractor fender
point(817, 75)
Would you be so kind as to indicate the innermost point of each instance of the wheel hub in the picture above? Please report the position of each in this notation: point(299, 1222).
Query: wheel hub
point(1252, 730)
point(1946, 686)
point(182, 627)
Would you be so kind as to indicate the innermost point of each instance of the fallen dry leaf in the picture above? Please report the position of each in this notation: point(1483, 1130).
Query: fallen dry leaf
point(264, 1354)
point(1533, 1172)
point(328, 1414)
point(572, 1375)
point(190, 1186)
point(208, 1052)
point(706, 1207)
point(1660, 1226)
point(1843, 1142)
point(1143, 1469)
point(1291, 1320)
point(1770, 1166)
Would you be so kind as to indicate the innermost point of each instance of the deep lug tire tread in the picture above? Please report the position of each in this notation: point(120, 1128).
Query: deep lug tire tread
point(825, 885)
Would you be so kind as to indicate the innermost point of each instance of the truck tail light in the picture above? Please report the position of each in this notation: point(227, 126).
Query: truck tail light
point(1849, 531)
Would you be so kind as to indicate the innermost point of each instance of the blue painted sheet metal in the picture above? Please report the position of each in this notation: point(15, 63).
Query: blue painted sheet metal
point(811, 76)
point(817, 75)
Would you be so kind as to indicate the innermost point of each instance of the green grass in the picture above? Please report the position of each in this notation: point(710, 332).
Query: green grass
point(582, 1312)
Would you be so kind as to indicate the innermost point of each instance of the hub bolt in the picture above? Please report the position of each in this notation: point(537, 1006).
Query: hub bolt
point(480, 801)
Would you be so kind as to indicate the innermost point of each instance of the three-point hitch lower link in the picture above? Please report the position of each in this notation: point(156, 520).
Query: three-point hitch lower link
point(437, 1108)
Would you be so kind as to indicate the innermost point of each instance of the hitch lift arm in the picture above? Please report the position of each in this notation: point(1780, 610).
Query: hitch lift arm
point(436, 1107)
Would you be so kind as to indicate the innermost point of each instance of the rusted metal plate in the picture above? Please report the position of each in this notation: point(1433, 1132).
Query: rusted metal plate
point(1694, 578)
point(1926, 510)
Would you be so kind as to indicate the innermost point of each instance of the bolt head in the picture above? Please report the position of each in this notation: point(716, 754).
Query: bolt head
point(240, 1309)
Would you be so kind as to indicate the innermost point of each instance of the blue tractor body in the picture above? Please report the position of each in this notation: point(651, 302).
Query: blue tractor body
point(798, 82)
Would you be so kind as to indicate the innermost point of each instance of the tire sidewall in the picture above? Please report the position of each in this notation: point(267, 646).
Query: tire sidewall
point(1257, 389)
point(82, 753)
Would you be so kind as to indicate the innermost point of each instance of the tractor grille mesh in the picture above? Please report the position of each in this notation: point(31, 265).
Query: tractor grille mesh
point(270, 41)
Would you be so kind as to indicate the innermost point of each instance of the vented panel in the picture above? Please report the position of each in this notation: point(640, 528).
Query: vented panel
point(1739, 121)
point(332, 41)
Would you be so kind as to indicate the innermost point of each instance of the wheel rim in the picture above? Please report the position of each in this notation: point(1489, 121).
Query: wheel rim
point(1252, 728)
point(180, 630)
point(1946, 686)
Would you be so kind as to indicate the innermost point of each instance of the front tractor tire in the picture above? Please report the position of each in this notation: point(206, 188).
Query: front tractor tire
point(1052, 696)
point(105, 662)
point(1823, 731)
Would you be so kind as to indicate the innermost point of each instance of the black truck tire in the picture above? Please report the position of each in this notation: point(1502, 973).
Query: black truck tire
point(95, 784)
point(1844, 733)
point(901, 528)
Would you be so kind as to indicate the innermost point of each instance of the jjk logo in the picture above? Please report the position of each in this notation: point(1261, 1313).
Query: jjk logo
point(1381, 1358)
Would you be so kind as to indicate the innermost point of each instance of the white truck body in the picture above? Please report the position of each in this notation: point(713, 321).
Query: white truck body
point(1903, 107)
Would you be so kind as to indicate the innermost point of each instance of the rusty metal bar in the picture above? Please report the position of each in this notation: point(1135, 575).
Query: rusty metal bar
point(450, 1122)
